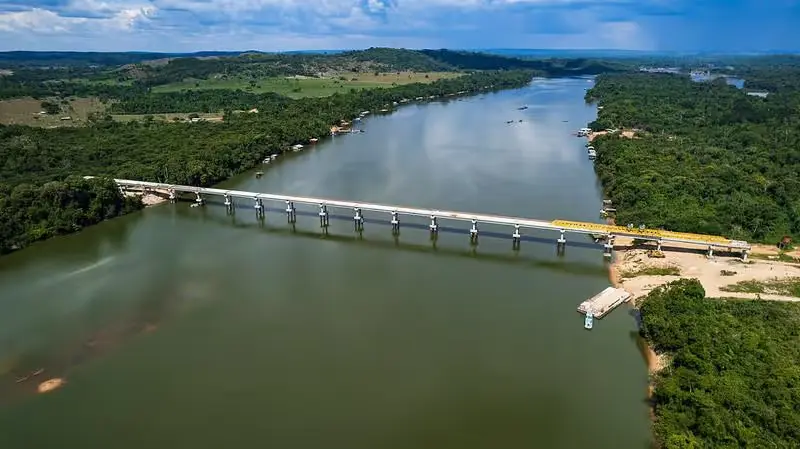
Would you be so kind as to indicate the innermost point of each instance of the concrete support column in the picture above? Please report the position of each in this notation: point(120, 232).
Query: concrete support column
point(358, 219)
point(608, 247)
point(199, 199)
point(561, 243)
point(744, 255)
point(395, 223)
point(434, 227)
point(228, 203)
point(710, 251)
point(259, 207)
point(473, 232)
point(659, 245)
point(172, 197)
point(324, 219)
point(516, 237)
point(291, 212)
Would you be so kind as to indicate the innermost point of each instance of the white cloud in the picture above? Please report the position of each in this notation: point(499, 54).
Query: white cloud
point(188, 25)
point(38, 20)
point(45, 21)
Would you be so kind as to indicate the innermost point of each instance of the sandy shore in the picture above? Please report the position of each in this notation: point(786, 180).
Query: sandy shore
point(693, 264)
point(149, 199)
point(696, 265)
point(50, 385)
point(593, 135)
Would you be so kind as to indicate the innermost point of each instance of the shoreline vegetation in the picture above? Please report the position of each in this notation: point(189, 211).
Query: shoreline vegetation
point(201, 140)
point(721, 337)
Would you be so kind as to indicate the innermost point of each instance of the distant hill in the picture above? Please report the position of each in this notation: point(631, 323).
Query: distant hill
point(380, 58)
point(112, 75)
point(75, 58)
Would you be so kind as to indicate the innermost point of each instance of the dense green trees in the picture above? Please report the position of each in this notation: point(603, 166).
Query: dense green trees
point(213, 100)
point(734, 377)
point(708, 159)
point(34, 212)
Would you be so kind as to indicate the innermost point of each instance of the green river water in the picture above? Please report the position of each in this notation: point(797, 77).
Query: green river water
point(185, 327)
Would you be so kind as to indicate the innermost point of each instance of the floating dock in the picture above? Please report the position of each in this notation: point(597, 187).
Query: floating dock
point(604, 302)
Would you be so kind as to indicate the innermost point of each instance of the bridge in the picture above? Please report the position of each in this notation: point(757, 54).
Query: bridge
point(393, 214)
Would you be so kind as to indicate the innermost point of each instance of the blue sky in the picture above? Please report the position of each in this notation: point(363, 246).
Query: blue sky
point(270, 25)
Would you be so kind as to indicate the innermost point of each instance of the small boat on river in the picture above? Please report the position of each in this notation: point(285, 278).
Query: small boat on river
point(588, 321)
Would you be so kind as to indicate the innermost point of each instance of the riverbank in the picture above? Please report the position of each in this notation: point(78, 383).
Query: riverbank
point(638, 273)
point(148, 199)
point(633, 270)
point(628, 133)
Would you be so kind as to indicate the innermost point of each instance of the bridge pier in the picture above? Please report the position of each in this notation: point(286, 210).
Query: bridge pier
point(608, 247)
point(395, 223)
point(710, 251)
point(172, 197)
point(516, 238)
point(324, 219)
point(659, 245)
point(228, 204)
point(358, 220)
point(473, 232)
point(259, 207)
point(199, 199)
point(434, 227)
point(744, 255)
point(291, 212)
point(561, 243)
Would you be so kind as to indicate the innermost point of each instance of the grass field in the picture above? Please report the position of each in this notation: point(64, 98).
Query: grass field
point(25, 111)
point(298, 87)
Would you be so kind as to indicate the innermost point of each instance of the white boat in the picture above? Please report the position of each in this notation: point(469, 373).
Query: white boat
point(588, 321)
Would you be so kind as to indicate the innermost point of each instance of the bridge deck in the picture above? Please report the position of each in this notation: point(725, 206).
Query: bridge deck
point(556, 225)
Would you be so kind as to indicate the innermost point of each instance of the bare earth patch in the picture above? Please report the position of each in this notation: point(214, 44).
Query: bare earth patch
point(149, 199)
point(624, 133)
point(713, 274)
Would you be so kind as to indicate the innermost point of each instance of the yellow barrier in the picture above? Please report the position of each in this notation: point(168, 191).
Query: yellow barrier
point(652, 233)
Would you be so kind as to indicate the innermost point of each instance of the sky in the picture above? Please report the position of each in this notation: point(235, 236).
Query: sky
point(283, 25)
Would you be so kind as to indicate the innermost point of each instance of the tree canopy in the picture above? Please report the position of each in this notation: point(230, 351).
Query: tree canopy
point(707, 157)
point(734, 376)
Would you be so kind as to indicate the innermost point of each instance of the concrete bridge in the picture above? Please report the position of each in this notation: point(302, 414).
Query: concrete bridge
point(394, 213)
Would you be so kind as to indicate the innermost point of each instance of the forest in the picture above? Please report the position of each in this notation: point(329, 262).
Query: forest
point(37, 202)
point(706, 157)
point(734, 376)
point(35, 212)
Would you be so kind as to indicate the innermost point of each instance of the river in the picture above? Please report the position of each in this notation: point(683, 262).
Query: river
point(185, 327)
